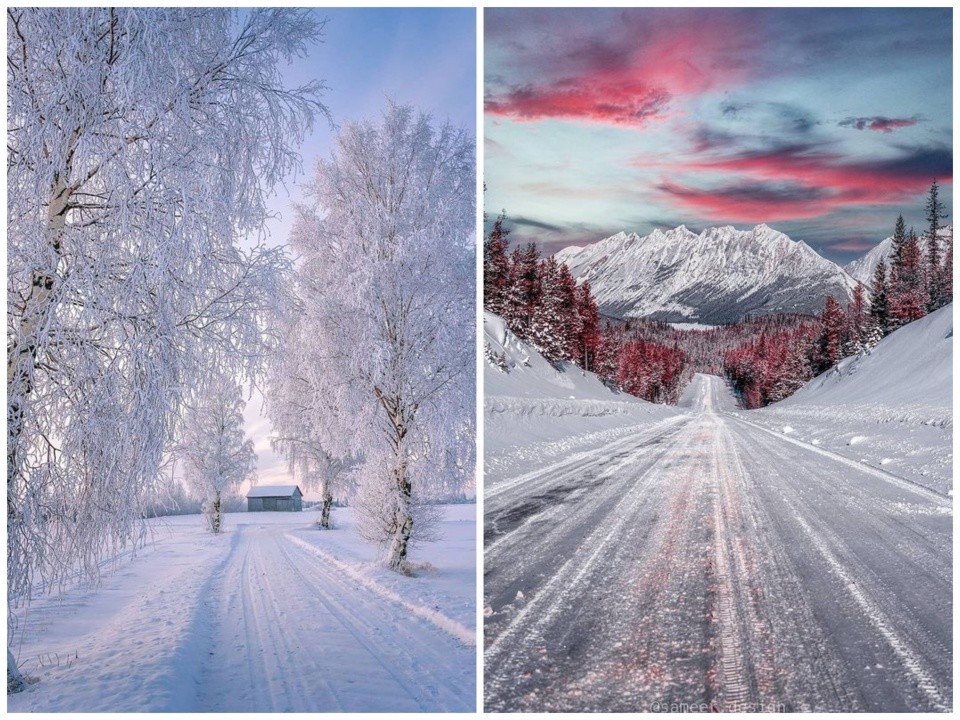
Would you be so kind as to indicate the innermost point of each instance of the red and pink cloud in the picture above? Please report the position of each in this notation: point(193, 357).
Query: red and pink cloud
point(630, 80)
point(794, 182)
point(878, 123)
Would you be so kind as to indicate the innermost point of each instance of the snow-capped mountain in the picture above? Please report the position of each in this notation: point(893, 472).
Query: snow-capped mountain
point(718, 276)
point(862, 268)
point(561, 255)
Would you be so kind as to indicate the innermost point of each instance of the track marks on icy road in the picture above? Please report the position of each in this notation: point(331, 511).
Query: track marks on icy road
point(294, 634)
point(410, 649)
point(721, 566)
point(877, 583)
point(771, 653)
point(538, 660)
point(645, 606)
point(493, 494)
point(544, 494)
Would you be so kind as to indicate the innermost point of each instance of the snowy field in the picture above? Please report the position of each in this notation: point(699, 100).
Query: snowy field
point(273, 615)
point(890, 409)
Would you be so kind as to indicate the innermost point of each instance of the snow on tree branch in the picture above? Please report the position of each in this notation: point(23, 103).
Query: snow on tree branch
point(386, 337)
point(142, 146)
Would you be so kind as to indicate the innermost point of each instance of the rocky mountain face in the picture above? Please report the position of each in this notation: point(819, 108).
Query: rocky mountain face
point(718, 276)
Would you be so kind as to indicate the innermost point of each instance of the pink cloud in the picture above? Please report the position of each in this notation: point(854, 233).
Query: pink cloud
point(795, 183)
point(632, 80)
point(878, 123)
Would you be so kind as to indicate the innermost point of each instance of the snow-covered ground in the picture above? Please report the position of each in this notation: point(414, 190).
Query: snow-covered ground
point(890, 409)
point(535, 412)
point(273, 615)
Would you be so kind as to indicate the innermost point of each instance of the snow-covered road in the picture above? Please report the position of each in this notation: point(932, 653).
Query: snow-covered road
point(273, 615)
point(710, 561)
point(358, 650)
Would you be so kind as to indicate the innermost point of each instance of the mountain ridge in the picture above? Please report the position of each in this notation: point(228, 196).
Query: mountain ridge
point(717, 276)
point(863, 267)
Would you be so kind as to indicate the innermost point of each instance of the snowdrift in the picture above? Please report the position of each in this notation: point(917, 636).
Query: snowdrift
point(909, 368)
point(890, 408)
point(529, 401)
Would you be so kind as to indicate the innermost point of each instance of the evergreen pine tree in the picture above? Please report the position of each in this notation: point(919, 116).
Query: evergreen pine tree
point(589, 337)
point(899, 240)
point(522, 293)
point(831, 334)
point(934, 269)
point(908, 301)
point(947, 270)
point(496, 267)
point(554, 322)
point(879, 300)
point(856, 323)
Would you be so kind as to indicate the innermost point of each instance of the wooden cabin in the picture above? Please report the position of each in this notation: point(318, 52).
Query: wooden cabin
point(282, 498)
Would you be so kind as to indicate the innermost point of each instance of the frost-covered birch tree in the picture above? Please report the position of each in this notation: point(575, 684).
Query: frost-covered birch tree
point(387, 283)
point(217, 455)
point(142, 145)
point(291, 406)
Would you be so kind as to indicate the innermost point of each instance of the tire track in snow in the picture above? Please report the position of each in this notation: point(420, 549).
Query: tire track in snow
point(448, 625)
point(292, 635)
point(547, 600)
point(733, 673)
point(579, 461)
point(865, 580)
point(912, 663)
point(780, 635)
point(415, 658)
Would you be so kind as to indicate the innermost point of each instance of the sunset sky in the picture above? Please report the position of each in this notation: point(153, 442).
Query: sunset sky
point(822, 123)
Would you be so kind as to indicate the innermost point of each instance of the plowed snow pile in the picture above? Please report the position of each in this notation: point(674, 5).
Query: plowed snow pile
point(534, 411)
point(889, 408)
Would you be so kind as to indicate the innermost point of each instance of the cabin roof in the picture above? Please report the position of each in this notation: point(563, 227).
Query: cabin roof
point(273, 491)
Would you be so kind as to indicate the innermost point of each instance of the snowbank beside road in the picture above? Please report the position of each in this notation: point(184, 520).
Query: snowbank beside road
point(890, 408)
point(443, 590)
point(535, 411)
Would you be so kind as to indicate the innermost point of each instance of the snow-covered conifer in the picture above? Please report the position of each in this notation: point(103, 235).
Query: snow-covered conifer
point(832, 333)
point(496, 267)
point(908, 295)
point(935, 213)
point(880, 301)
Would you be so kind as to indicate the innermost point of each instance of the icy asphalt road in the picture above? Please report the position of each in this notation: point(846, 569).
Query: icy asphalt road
point(709, 561)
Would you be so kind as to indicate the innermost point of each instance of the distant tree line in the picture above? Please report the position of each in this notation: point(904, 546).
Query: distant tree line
point(919, 280)
point(542, 304)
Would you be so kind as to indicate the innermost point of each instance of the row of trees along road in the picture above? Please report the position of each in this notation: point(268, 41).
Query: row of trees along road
point(918, 280)
point(142, 146)
point(375, 379)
